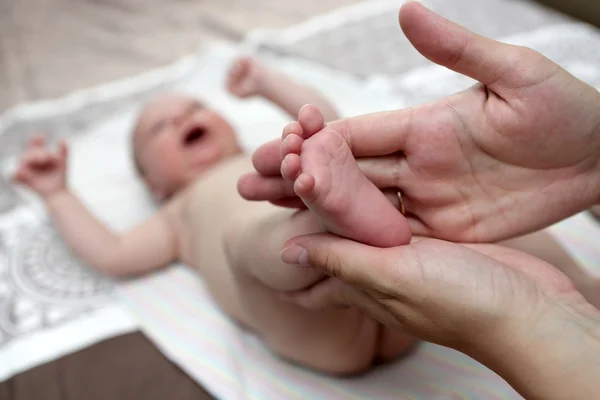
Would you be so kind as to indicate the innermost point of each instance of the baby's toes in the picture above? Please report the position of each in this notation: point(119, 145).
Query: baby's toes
point(293, 128)
point(292, 144)
point(311, 120)
point(291, 167)
point(304, 187)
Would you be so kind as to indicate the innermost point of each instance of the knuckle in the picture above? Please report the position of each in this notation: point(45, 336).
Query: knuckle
point(395, 170)
point(331, 262)
point(458, 54)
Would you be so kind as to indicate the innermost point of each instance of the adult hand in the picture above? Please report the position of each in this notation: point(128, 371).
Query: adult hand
point(514, 313)
point(511, 155)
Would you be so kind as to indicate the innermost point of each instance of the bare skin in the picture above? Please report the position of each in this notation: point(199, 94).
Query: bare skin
point(330, 183)
point(188, 156)
point(515, 153)
point(515, 313)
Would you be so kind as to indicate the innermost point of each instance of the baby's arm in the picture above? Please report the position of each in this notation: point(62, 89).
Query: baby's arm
point(248, 78)
point(151, 245)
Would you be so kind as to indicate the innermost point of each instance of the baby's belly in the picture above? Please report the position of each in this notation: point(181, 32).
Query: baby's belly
point(212, 207)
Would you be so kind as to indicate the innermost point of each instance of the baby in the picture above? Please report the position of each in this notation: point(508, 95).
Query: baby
point(188, 156)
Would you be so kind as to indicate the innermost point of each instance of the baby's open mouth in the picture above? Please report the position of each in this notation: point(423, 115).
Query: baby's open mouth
point(194, 136)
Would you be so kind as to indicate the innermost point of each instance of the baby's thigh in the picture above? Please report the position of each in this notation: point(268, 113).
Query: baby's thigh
point(339, 342)
point(393, 344)
point(254, 242)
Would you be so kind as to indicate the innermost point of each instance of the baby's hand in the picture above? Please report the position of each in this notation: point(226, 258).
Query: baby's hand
point(41, 169)
point(245, 77)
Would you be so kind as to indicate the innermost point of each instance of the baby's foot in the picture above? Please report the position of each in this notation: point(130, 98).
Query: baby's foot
point(329, 181)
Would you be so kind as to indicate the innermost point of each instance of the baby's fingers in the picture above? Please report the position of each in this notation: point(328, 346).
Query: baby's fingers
point(36, 142)
point(39, 157)
point(22, 175)
point(63, 150)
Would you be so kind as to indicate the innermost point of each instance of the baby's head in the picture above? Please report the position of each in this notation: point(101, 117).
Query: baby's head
point(176, 139)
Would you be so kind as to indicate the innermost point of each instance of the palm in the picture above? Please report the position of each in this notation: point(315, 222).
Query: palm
point(473, 176)
point(423, 285)
point(513, 154)
point(486, 282)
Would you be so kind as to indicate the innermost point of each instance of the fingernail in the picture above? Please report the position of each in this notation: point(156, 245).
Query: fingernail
point(295, 255)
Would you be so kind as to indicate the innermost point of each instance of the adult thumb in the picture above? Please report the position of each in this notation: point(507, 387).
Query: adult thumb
point(357, 264)
point(445, 43)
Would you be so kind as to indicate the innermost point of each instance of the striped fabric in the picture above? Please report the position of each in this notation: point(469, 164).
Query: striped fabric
point(176, 312)
point(179, 316)
point(580, 236)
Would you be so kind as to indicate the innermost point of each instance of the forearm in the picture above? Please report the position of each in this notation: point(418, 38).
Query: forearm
point(554, 358)
point(85, 234)
point(290, 95)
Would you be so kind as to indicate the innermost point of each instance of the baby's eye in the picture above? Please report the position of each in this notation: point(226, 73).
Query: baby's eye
point(161, 125)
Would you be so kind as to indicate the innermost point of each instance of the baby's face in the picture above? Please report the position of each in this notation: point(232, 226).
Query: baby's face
point(178, 138)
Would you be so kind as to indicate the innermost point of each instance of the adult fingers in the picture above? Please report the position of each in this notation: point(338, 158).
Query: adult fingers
point(255, 187)
point(360, 265)
point(369, 135)
point(333, 293)
point(381, 133)
point(267, 158)
point(385, 172)
point(448, 44)
point(290, 202)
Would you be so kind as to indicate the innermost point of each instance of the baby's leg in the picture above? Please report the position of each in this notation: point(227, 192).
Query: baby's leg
point(332, 341)
point(328, 180)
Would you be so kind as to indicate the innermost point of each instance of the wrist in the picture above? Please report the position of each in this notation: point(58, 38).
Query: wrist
point(56, 195)
point(551, 354)
point(263, 79)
